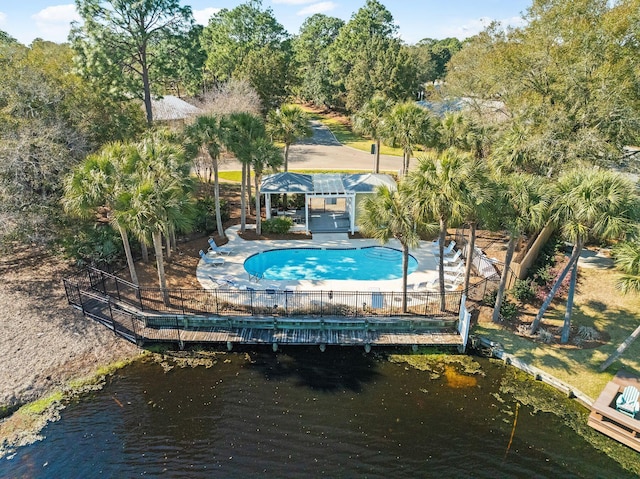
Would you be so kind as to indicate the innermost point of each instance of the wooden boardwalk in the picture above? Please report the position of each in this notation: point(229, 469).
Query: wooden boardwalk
point(142, 328)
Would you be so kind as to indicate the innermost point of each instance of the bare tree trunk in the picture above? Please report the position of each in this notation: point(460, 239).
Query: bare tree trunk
point(216, 194)
point(167, 241)
point(376, 168)
point(470, 251)
point(174, 240)
point(621, 349)
point(146, 88)
point(258, 215)
point(441, 240)
point(145, 252)
point(243, 210)
point(157, 245)
point(577, 248)
point(286, 157)
point(513, 239)
point(405, 271)
point(249, 190)
point(566, 327)
point(127, 252)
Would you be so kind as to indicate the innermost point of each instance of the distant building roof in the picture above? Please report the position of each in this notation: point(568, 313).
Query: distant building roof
point(171, 107)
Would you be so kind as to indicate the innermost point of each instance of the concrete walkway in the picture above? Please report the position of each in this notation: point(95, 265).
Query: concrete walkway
point(323, 151)
point(233, 275)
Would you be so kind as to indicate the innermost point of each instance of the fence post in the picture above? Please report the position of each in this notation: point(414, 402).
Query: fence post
point(113, 321)
point(84, 313)
point(182, 301)
point(116, 280)
point(180, 343)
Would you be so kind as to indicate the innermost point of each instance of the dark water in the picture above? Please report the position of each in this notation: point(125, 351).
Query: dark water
point(305, 414)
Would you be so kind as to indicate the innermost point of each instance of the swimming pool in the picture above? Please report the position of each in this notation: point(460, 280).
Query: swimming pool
point(370, 264)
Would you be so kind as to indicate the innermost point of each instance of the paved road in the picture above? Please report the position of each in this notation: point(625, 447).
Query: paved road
point(323, 151)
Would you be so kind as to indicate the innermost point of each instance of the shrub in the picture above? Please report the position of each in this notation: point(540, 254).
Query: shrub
point(587, 333)
point(91, 244)
point(508, 310)
point(545, 336)
point(489, 298)
point(523, 290)
point(206, 214)
point(277, 225)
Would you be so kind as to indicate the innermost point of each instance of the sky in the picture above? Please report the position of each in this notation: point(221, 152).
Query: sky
point(26, 20)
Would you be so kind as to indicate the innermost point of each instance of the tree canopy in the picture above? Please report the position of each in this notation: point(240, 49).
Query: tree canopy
point(121, 43)
point(248, 43)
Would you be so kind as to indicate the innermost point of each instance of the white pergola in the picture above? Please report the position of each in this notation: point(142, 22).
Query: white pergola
point(325, 185)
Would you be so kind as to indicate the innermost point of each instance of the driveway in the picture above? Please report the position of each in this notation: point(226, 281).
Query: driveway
point(323, 151)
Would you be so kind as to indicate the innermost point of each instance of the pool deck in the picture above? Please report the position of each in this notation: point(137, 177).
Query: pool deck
point(212, 277)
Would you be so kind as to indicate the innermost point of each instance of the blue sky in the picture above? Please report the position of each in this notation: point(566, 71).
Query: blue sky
point(416, 19)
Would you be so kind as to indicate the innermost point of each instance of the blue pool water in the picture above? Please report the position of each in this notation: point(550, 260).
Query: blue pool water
point(372, 264)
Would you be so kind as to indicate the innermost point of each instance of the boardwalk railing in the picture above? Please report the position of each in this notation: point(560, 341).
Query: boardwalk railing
point(261, 302)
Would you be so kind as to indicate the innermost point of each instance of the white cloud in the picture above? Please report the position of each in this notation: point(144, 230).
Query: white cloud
point(293, 2)
point(317, 8)
point(476, 25)
point(202, 16)
point(53, 23)
point(3, 18)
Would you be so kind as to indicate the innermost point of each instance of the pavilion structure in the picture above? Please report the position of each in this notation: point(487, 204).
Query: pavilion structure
point(328, 190)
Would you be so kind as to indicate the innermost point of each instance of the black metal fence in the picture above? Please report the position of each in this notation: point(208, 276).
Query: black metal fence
point(261, 302)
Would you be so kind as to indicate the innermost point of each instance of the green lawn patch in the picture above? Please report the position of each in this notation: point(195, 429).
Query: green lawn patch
point(598, 305)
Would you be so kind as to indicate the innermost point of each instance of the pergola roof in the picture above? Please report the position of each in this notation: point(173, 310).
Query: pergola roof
point(286, 182)
point(367, 182)
point(324, 184)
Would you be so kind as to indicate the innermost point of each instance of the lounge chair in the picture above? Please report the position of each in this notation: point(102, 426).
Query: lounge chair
point(627, 403)
point(211, 261)
point(454, 268)
point(452, 259)
point(447, 250)
point(219, 249)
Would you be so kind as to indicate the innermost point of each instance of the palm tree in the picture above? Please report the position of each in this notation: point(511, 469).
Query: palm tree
point(627, 258)
point(207, 131)
point(242, 129)
point(457, 130)
point(288, 124)
point(407, 126)
point(593, 203)
point(523, 206)
point(162, 200)
point(369, 120)
point(104, 180)
point(264, 154)
point(443, 187)
point(388, 214)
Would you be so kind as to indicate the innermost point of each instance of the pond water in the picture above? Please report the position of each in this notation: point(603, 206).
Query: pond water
point(304, 413)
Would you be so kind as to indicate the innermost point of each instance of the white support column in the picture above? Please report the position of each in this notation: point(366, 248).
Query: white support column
point(306, 213)
point(352, 213)
point(267, 205)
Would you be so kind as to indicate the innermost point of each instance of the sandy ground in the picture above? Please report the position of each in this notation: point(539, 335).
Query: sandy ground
point(44, 342)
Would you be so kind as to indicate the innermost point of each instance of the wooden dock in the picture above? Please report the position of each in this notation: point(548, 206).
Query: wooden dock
point(143, 328)
point(605, 418)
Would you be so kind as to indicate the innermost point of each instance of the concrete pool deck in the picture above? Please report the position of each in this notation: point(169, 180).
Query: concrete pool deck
point(233, 275)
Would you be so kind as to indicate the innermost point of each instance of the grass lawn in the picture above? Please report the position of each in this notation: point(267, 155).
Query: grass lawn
point(597, 304)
